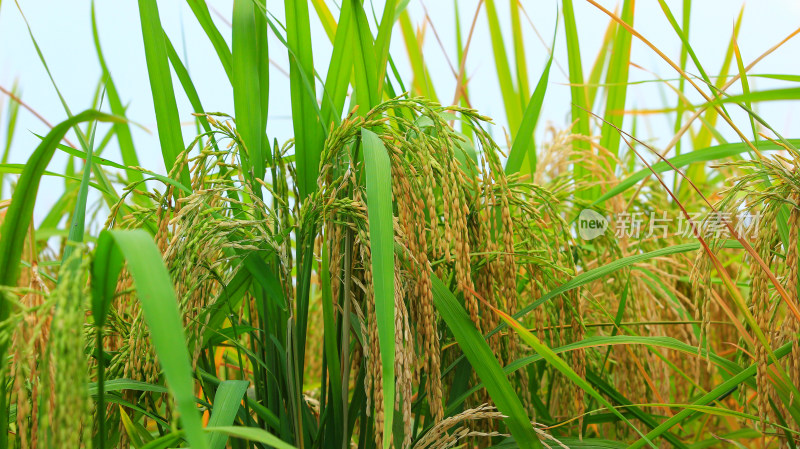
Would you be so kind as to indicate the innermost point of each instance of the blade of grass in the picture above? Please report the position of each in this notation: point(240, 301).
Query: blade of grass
point(188, 85)
point(713, 153)
point(559, 364)
point(511, 99)
point(422, 79)
point(123, 384)
point(382, 40)
point(611, 267)
point(485, 364)
point(252, 434)
point(578, 92)
point(596, 73)
point(617, 79)
point(341, 67)
point(704, 136)
point(524, 142)
point(519, 53)
point(226, 404)
point(157, 296)
point(11, 125)
point(745, 89)
point(247, 85)
point(715, 394)
point(16, 169)
point(326, 18)
point(166, 107)
point(331, 351)
point(366, 83)
point(308, 138)
point(121, 130)
point(78, 222)
point(381, 234)
point(106, 265)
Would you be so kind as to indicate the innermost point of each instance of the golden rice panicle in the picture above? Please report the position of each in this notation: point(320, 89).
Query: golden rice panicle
point(761, 308)
point(411, 208)
point(335, 257)
point(29, 343)
point(448, 432)
point(139, 361)
point(455, 225)
point(701, 276)
point(374, 385)
point(792, 324)
point(428, 181)
point(489, 273)
point(404, 359)
point(578, 356)
point(70, 416)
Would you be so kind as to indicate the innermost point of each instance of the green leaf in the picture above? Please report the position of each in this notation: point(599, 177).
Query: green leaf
point(329, 343)
point(511, 100)
point(422, 77)
point(381, 240)
point(15, 169)
point(247, 85)
point(187, 84)
point(305, 118)
point(20, 211)
point(166, 107)
point(157, 296)
point(579, 94)
point(163, 442)
point(77, 224)
point(341, 67)
point(710, 397)
point(121, 130)
point(383, 39)
point(106, 265)
point(523, 139)
point(485, 364)
point(227, 401)
point(617, 80)
point(559, 364)
point(127, 384)
point(252, 434)
point(366, 66)
point(706, 154)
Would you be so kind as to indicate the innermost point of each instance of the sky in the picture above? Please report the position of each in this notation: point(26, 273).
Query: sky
point(63, 31)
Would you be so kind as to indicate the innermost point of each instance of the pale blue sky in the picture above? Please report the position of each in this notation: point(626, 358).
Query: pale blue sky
point(63, 30)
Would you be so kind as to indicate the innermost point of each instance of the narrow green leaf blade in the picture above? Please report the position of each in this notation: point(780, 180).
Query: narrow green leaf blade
point(155, 291)
point(485, 364)
point(559, 364)
point(523, 139)
point(578, 92)
point(226, 404)
point(166, 107)
point(381, 236)
point(252, 434)
point(246, 84)
point(20, 211)
point(305, 118)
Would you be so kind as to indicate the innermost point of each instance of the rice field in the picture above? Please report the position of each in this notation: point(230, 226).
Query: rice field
point(404, 271)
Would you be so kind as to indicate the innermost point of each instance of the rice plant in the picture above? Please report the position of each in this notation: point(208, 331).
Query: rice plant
point(397, 275)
